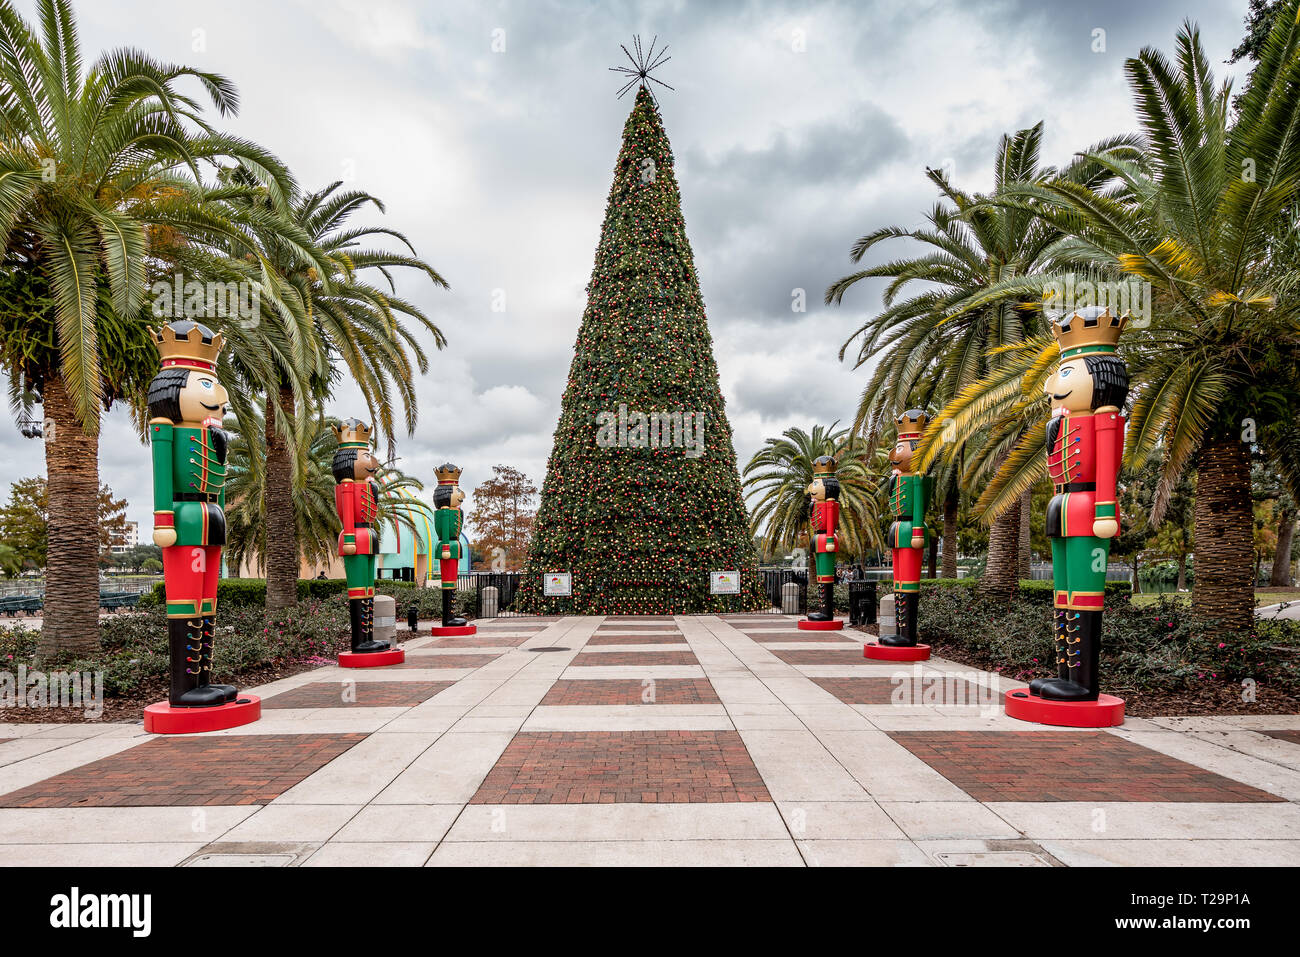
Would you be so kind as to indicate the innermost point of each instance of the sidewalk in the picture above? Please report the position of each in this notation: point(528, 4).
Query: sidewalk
point(651, 741)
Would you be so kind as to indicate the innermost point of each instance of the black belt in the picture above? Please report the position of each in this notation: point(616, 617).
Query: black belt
point(196, 497)
point(361, 524)
point(1076, 487)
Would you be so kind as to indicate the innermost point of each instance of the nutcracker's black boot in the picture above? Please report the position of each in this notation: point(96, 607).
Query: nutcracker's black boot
point(827, 611)
point(1082, 652)
point(370, 626)
point(905, 605)
point(185, 638)
point(448, 619)
point(205, 663)
point(358, 615)
point(1060, 622)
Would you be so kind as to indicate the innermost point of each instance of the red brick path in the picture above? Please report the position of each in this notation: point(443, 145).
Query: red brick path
point(623, 767)
point(445, 661)
point(484, 639)
point(851, 655)
point(1067, 766)
point(668, 638)
point(882, 690)
point(784, 636)
point(365, 694)
point(635, 658)
point(631, 691)
point(167, 772)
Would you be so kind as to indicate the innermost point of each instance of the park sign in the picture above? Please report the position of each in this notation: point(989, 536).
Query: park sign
point(558, 585)
point(724, 583)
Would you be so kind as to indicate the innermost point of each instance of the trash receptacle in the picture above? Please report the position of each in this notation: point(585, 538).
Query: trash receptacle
point(862, 603)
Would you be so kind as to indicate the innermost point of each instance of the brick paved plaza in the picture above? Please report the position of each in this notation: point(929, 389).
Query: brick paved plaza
point(652, 740)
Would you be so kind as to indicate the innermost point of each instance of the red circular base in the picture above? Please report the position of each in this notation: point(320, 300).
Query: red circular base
point(162, 718)
point(879, 652)
point(452, 630)
point(373, 659)
point(1106, 712)
point(803, 624)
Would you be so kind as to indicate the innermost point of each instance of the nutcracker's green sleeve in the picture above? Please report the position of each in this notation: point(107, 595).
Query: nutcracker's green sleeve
point(160, 437)
point(918, 501)
point(446, 523)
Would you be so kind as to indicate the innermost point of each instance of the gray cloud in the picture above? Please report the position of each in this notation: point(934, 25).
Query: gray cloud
point(797, 126)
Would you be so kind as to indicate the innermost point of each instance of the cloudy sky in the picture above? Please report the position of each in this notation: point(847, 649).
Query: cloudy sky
point(490, 131)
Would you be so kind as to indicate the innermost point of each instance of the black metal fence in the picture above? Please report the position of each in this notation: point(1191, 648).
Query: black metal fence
point(507, 584)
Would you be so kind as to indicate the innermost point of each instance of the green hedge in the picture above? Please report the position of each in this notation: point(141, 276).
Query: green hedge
point(251, 593)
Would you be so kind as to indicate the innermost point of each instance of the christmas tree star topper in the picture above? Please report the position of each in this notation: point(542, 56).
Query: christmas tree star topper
point(643, 64)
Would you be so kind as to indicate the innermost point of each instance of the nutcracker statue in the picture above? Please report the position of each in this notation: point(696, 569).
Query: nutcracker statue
point(356, 499)
point(1085, 443)
point(824, 515)
point(909, 497)
point(447, 523)
point(186, 407)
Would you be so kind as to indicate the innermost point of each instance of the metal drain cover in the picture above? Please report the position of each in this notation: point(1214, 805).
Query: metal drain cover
point(549, 648)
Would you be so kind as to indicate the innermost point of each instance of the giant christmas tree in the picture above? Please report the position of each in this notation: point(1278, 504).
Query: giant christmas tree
point(630, 506)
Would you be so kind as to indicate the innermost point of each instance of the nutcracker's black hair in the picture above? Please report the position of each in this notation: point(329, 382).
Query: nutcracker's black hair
point(165, 393)
point(442, 496)
point(1109, 380)
point(344, 464)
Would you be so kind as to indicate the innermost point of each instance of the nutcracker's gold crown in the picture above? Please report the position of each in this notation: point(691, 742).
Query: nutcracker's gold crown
point(188, 345)
point(824, 465)
point(447, 474)
point(912, 423)
point(1084, 334)
point(353, 433)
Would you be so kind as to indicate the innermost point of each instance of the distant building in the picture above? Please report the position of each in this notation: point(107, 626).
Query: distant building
point(126, 539)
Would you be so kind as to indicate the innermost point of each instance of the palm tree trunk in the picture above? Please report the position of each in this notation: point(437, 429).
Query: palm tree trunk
point(950, 503)
point(1224, 533)
point(1281, 575)
point(281, 519)
point(1002, 570)
point(72, 564)
point(1182, 572)
point(1026, 504)
point(933, 556)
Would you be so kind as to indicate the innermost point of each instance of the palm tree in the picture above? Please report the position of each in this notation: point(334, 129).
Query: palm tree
point(778, 476)
point(96, 166)
point(1200, 217)
point(330, 322)
point(973, 269)
point(318, 526)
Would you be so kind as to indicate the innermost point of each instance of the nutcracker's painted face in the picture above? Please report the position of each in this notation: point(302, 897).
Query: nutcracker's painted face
point(188, 396)
point(365, 466)
point(1070, 387)
point(822, 488)
point(203, 399)
point(901, 454)
point(1089, 382)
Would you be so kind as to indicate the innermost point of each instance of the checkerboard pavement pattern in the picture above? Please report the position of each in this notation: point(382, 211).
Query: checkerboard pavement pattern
point(661, 740)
